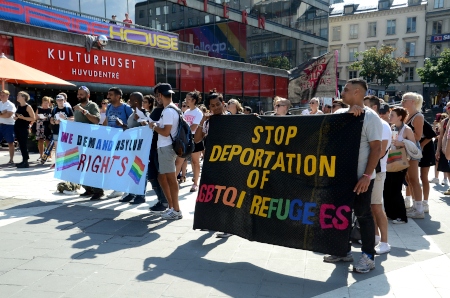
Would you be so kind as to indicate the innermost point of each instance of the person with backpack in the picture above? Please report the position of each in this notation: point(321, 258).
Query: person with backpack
point(116, 110)
point(60, 112)
point(167, 128)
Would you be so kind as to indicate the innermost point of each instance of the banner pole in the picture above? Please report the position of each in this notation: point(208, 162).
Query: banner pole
point(335, 71)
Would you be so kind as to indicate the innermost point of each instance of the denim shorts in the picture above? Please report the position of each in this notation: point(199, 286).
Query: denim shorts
point(420, 148)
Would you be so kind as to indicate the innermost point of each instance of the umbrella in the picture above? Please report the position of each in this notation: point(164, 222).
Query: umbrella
point(15, 72)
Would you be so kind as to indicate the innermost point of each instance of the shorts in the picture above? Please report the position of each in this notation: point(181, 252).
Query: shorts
point(55, 138)
point(377, 190)
point(166, 159)
point(420, 148)
point(199, 147)
point(7, 132)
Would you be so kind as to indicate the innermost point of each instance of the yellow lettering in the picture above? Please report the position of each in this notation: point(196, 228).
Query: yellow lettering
point(135, 41)
point(292, 132)
point(324, 163)
point(264, 178)
point(257, 200)
point(241, 199)
point(244, 154)
point(113, 33)
point(269, 154)
point(310, 171)
point(252, 182)
point(258, 158)
point(235, 150)
point(279, 163)
point(152, 40)
point(269, 133)
point(279, 134)
point(264, 207)
point(174, 43)
point(299, 163)
point(256, 131)
point(163, 42)
point(215, 153)
point(290, 156)
point(225, 153)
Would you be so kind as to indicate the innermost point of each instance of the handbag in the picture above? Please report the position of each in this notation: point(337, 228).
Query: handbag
point(397, 160)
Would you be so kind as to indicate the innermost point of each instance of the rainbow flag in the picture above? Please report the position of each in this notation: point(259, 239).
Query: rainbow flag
point(136, 170)
point(67, 159)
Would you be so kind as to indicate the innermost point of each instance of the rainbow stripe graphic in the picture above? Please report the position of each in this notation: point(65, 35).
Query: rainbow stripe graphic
point(136, 170)
point(67, 159)
point(394, 156)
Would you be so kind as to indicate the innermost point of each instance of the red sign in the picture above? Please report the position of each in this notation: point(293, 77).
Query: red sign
point(72, 63)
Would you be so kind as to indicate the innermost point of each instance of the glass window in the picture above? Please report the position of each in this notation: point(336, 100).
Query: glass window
point(322, 51)
point(411, 25)
point(141, 13)
point(191, 77)
point(324, 33)
point(351, 54)
point(150, 13)
point(436, 50)
point(267, 88)
point(410, 49)
point(160, 67)
point(181, 23)
point(281, 85)
point(158, 11)
point(172, 77)
point(383, 4)
point(251, 84)
point(233, 82)
point(181, 8)
point(391, 27)
point(190, 22)
point(277, 45)
point(336, 33)
point(438, 3)
point(174, 8)
point(352, 74)
point(393, 53)
point(265, 47)
point(173, 25)
point(213, 78)
point(372, 29)
point(409, 74)
point(289, 44)
point(207, 19)
point(85, 5)
point(437, 27)
point(353, 31)
point(166, 9)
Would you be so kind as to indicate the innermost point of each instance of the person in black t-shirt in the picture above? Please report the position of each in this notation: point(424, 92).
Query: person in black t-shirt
point(43, 131)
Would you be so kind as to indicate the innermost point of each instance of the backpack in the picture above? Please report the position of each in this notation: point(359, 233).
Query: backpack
point(183, 142)
point(124, 109)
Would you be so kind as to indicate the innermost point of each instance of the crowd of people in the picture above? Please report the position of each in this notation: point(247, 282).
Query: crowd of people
point(379, 192)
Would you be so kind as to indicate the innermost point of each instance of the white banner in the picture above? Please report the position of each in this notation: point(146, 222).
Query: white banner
point(103, 157)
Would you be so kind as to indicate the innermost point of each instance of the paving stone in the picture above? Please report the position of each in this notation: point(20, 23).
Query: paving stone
point(26, 253)
point(10, 245)
point(9, 290)
point(230, 289)
point(113, 276)
point(44, 264)
point(77, 269)
point(87, 289)
point(56, 283)
point(27, 293)
point(141, 289)
point(9, 264)
point(186, 289)
point(21, 277)
point(242, 276)
point(271, 289)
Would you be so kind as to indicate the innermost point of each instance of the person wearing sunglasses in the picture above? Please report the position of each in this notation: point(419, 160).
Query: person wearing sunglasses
point(313, 107)
point(338, 104)
point(281, 106)
point(105, 103)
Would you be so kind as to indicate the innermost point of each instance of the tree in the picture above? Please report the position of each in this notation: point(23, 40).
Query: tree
point(379, 67)
point(437, 71)
point(277, 62)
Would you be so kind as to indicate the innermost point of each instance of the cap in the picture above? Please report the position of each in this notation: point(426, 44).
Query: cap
point(59, 97)
point(113, 16)
point(85, 89)
point(384, 108)
point(164, 89)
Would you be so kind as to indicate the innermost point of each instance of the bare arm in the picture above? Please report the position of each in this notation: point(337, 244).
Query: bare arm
point(384, 144)
point(30, 118)
point(418, 127)
point(364, 181)
point(165, 132)
point(6, 114)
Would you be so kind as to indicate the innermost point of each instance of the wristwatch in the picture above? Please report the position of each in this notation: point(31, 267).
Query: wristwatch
point(85, 112)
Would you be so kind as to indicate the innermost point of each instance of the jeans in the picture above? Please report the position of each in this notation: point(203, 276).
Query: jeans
point(363, 213)
point(159, 192)
point(153, 168)
point(22, 138)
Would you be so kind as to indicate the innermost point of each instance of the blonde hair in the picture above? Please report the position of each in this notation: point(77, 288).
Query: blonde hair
point(418, 99)
point(24, 94)
point(239, 108)
point(47, 99)
point(283, 100)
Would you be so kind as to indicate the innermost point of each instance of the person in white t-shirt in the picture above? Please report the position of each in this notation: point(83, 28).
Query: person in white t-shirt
point(314, 107)
point(193, 116)
point(379, 216)
point(165, 128)
point(7, 110)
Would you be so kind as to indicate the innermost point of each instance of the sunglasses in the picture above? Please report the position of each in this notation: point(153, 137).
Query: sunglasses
point(312, 102)
point(337, 106)
point(183, 106)
point(280, 106)
point(104, 103)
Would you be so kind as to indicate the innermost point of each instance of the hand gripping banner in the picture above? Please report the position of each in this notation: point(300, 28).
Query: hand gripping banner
point(104, 157)
point(281, 180)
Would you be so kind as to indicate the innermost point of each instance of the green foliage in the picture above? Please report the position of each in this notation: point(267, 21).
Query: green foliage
point(378, 66)
point(437, 71)
point(277, 62)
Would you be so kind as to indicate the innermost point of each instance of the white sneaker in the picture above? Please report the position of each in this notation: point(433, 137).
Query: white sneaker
point(364, 265)
point(115, 194)
point(426, 207)
point(172, 215)
point(415, 214)
point(382, 248)
point(434, 180)
point(70, 192)
point(444, 182)
point(408, 203)
point(377, 239)
point(398, 221)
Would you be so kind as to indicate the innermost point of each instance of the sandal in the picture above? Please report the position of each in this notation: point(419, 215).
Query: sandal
point(11, 162)
point(194, 188)
point(182, 179)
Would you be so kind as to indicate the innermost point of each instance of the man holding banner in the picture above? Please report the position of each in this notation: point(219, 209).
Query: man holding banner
point(369, 154)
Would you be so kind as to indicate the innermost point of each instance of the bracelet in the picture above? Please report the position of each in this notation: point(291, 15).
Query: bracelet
point(153, 128)
point(365, 175)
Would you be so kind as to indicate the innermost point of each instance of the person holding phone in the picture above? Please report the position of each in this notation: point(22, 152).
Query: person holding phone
point(24, 115)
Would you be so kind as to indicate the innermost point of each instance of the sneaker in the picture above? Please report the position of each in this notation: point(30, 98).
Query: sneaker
point(382, 248)
point(365, 264)
point(377, 239)
point(447, 192)
point(426, 207)
point(138, 199)
point(97, 196)
point(127, 198)
point(172, 215)
point(194, 188)
point(49, 159)
point(23, 165)
point(434, 180)
point(444, 182)
point(408, 203)
point(398, 221)
point(223, 235)
point(158, 208)
point(115, 194)
point(415, 214)
point(335, 259)
point(70, 192)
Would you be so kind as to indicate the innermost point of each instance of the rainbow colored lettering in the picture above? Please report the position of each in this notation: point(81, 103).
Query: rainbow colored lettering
point(136, 170)
point(67, 159)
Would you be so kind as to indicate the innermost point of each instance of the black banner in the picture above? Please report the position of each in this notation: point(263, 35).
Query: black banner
point(281, 180)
